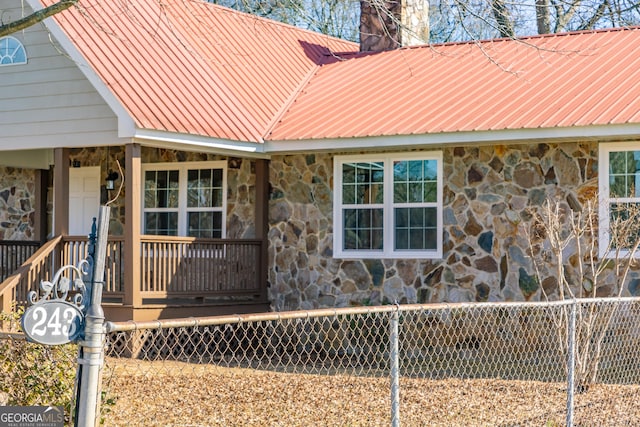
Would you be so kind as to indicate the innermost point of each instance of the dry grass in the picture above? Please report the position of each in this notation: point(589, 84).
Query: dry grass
point(179, 394)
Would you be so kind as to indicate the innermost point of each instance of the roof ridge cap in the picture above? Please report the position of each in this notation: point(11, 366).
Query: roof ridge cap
point(528, 37)
point(292, 98)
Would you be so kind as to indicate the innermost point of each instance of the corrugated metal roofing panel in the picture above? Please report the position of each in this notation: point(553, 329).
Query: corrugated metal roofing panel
point(565, 80)
point(192, 67)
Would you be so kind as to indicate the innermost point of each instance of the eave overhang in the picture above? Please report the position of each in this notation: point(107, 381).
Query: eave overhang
point(600, 133)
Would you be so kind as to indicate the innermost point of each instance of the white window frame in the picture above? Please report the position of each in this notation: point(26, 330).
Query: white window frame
point(20, 46)
point(183, 210)
point(605, 201)
point(388, 205)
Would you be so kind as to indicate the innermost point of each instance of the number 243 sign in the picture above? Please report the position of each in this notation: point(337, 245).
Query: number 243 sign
point(53, 322)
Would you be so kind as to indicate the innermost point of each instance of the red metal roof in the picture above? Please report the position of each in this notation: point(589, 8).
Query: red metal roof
point(191, 67)
point(188, 66)
point(564, 80)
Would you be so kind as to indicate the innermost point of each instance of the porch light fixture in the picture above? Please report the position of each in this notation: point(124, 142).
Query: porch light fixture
point(110, 181)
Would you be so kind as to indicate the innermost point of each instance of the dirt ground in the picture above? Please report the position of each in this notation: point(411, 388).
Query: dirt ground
point(179, 394)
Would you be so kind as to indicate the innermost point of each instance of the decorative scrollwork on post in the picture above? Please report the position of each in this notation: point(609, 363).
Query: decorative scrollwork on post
point(57, 315)
point(59, 288)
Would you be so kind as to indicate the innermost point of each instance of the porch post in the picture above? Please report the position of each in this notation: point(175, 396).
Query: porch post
point(40, 222)
point(132, 295)
point(61, 192)
point(262, 221)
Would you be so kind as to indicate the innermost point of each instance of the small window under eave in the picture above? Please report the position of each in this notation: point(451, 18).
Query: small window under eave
point(12, 51)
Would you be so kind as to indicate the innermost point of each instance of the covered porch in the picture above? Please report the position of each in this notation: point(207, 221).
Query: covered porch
point(150, 276)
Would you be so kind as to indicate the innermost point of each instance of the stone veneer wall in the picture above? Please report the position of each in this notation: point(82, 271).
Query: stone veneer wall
point(488, 194)
point(17, 204)
point(240, 180)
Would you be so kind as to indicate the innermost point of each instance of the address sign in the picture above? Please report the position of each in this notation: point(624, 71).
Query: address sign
point(51, 319)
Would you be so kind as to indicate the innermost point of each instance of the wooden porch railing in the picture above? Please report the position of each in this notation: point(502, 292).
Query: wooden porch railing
point(40, 266)
point(75, 249)
point(179, 267)
point(171, 268)
point(13, 253)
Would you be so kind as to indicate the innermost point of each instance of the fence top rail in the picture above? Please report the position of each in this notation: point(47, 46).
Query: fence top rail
point(326, 312)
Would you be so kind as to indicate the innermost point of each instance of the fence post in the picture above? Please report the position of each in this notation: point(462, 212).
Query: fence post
point(91, 357)
point(571, 362)
point(395, 369)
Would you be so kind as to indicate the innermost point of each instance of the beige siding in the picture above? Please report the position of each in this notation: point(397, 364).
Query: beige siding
point(48, 102)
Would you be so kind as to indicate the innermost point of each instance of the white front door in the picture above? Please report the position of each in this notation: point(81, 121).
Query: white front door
point(84, 199)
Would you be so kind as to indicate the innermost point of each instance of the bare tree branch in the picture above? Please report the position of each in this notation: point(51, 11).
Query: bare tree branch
point(35, 17)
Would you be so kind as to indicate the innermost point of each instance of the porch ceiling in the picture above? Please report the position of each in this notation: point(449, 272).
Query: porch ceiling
point(31, 159)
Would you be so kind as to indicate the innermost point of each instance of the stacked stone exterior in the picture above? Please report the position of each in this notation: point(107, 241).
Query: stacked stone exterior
point(489, 192)
point(17, 204)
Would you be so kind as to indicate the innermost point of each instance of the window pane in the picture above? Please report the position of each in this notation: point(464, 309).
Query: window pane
point(415, 170)
point(161, 223)
point(431, 217)
point(161, 189)
point(409, 181)
point(400, 171)
point(217, 178)
point(201, 189)
point(416, 218)
point(431, 170)
point(430, 192)
point(400, 192)
point(348, 173)
point(348, 194)
point(431, 239)
point(416, 228)
point(624, 174)
point(363, 229)
point(402, 238)
point(415, 192)
point(205, 224)
point(416, 239)
point(216, 198)
point(362, 183)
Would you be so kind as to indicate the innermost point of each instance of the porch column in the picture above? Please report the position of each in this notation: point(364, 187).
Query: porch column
point(61, 191)
point(132, 215)
point(40, 221)
point(262, 220)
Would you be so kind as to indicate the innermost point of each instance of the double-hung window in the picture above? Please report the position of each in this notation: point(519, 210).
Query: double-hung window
point(185, 199)
point(388, 206)
point(619, 189)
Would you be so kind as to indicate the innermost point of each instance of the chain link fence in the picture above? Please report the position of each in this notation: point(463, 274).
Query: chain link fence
point(467, 364)
point(502, 364)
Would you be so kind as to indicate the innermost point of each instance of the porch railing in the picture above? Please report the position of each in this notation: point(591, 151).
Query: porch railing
point(13, 253)
point(172, 268)
point(184, 267)
point(40, 266)
point(75, 248)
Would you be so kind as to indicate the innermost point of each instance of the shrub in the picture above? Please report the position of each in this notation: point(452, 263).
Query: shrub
point(34, 374)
